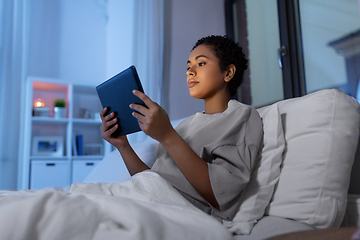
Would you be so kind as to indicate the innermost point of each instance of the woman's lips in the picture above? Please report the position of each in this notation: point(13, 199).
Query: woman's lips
point(191, 83)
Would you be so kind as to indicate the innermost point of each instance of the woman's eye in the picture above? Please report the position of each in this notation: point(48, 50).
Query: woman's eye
point(202, 63)
point(187, 69)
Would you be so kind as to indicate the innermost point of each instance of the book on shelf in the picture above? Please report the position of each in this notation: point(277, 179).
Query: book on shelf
point(74, 146)
point(79, 144)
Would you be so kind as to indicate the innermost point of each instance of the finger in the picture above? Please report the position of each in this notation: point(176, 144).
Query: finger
point(139, 108)
point(148, 102)
point(107, 134)
point(105, 116)
point(109, 117)
point(107, 124)
point(110, 123)
point(103, 112)
point(139, 117)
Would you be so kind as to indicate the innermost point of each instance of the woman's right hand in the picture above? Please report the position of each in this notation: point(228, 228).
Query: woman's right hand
point(131, 159)
point(108, 127)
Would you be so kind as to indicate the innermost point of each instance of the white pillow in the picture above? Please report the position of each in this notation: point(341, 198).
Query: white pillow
point(321, 133)
point(112, 168)
point(260, 188)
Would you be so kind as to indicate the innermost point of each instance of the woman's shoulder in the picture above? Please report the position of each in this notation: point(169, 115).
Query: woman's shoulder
point(249, 119)
point(184, 122)
point(240, 109)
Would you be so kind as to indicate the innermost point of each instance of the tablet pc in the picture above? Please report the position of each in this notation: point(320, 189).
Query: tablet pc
point(116, 94)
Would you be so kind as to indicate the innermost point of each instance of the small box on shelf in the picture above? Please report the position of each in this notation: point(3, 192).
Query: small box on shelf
point(41, 112)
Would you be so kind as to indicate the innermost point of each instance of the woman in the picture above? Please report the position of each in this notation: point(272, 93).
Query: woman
point(210, 156)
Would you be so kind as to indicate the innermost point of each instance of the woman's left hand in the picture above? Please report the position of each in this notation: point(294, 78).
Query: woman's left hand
point(153, 120)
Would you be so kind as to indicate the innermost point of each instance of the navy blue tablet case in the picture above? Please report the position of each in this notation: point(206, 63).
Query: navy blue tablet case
point(116, 94)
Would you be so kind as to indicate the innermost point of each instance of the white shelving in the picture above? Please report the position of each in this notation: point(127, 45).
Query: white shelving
point(64, 167)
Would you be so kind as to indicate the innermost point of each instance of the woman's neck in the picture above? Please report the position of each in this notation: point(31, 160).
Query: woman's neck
point(216, 105)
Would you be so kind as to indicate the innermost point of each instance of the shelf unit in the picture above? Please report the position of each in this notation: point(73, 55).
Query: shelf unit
point(65, 167)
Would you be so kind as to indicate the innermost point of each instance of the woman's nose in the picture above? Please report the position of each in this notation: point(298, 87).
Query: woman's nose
point(191, 71)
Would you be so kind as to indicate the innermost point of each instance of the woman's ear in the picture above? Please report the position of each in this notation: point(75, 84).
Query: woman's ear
point(230, 72)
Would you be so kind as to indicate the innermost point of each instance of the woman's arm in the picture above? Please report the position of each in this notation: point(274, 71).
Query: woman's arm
point(132, 161)
point(191, 165)
point(155, 122)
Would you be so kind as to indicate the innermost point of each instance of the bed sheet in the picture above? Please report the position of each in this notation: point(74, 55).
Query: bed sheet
point(144, 207)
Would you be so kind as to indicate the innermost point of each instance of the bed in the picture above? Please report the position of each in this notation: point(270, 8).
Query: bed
point(145, 207)
point(300, 183)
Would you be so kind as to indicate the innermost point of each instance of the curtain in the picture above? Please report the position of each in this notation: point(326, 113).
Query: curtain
point(148, 49)
point(12, 85)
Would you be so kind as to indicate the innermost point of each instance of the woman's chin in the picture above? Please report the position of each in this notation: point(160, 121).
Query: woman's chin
point(195, 94)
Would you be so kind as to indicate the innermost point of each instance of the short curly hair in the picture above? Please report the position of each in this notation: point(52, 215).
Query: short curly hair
point(228, 52)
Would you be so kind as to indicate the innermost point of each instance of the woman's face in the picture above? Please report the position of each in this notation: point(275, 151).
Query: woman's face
point(204, 76)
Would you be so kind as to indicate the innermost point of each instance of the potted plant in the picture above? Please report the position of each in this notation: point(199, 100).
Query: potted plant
point(59, 108)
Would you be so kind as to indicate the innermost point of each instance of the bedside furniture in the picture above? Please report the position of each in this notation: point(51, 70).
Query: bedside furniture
point(53, 154)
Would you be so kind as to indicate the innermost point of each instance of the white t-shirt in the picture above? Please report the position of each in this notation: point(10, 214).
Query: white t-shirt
point(229, 142)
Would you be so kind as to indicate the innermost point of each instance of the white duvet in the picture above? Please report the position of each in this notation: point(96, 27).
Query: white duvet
point(145, 207)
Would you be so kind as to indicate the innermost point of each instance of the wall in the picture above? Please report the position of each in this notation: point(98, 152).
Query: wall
point(83, 41)
point(44, 38)
point(186, 21)
point(80, 41)
point(119, 36)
